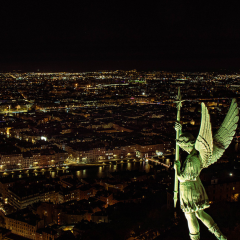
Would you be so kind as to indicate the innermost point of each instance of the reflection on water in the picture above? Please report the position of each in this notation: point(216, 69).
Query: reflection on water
point(102, 171)
point(94, 172)
point(78, 174)
point(53, 174)
point(146, 166)
point(81, 173)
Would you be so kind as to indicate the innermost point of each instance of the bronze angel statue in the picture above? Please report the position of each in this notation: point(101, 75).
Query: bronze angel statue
point(203, 151)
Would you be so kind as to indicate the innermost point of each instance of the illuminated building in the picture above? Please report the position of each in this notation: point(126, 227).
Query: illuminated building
point(24, 224)
point(229, 191)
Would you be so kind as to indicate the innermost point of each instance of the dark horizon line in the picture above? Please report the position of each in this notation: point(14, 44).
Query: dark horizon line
point(142, 64)
point(210, 70)
point(175, 70)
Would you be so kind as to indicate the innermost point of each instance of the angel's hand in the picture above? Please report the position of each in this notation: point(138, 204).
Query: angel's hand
point(177, 165)
point(178, 126)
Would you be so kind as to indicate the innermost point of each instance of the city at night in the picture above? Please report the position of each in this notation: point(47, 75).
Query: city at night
point(119, 122)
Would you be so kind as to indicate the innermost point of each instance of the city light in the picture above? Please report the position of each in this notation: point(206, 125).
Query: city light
point(43, 138)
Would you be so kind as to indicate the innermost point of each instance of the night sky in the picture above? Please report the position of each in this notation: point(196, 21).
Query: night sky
point(104, 35)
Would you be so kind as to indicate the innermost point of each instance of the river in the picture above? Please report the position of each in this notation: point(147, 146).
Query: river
point(88, 172)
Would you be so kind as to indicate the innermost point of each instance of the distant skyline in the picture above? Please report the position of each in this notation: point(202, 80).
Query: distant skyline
point(168, 35)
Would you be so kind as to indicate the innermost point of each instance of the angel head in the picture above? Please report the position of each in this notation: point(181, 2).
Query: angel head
point(186, 141)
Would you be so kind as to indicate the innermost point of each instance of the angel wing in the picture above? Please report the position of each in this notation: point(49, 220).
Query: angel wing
point(204, 141)
point(223, 137)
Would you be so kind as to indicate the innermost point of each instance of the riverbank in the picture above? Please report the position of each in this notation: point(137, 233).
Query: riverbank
point(80, 170)
point(73, 166)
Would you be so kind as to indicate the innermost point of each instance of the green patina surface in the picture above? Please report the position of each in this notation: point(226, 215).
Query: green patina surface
point(203, 151)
